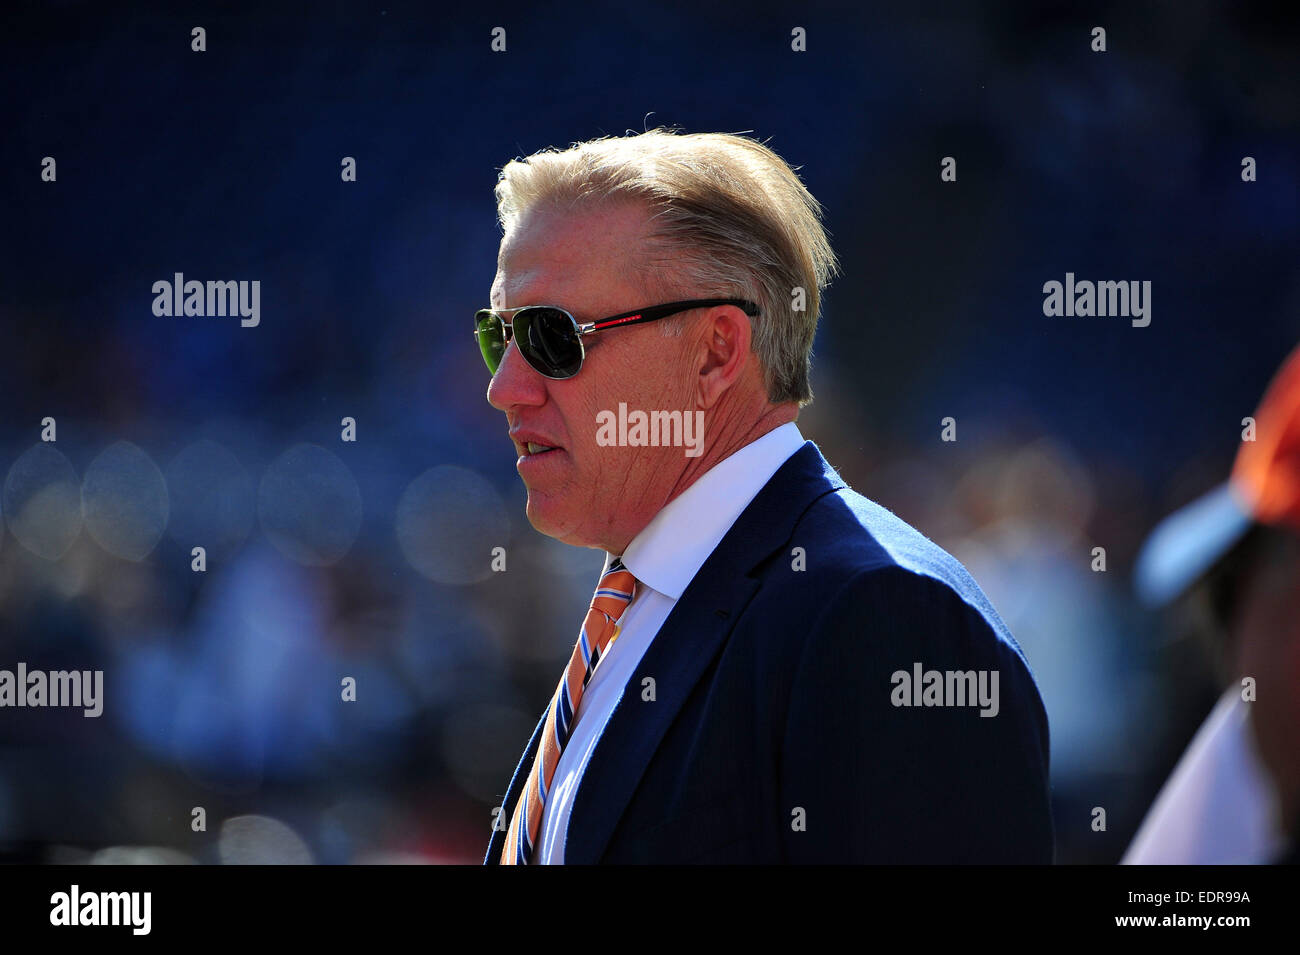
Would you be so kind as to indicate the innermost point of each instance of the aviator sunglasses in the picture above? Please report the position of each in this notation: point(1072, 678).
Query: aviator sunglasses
point(550, 339)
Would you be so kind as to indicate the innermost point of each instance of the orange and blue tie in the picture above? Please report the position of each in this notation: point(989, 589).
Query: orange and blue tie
point(614, 592)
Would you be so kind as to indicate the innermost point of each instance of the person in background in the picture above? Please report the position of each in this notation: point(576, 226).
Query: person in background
point(1233, 557)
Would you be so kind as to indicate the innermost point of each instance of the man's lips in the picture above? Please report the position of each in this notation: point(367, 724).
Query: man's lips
point(531, 444)
point(540, 459)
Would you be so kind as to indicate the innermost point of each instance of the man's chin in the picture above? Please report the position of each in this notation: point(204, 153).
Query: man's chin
point(549, 517)
point(558, 520)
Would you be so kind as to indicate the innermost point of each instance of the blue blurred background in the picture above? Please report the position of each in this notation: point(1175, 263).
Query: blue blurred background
point(329, 559)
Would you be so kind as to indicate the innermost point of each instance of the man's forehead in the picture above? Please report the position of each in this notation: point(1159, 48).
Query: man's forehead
point(513, 287)
point(542, 283)
point(574, 259)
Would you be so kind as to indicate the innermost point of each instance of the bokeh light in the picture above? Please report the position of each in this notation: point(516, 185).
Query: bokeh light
point(42, 501)
point(448, 521)
point(309, 505)
point(212, 499)
point(124, 500)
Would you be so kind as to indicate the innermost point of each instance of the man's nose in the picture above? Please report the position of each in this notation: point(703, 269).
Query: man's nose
point(516, 383)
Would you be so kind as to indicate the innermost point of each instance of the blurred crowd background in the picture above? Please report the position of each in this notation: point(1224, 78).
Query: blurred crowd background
point(371, 559)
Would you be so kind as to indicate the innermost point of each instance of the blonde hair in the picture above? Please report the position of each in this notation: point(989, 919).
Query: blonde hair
point(729, 219)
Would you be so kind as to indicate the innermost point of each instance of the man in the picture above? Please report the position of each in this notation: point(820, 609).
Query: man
point(742, 688)
point(1234, 556)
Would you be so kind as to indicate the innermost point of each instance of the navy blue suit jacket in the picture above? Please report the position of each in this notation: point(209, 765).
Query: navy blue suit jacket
point(773, 734)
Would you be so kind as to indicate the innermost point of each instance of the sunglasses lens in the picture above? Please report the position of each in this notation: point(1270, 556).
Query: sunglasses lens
point(491, 332)
point(548, 339)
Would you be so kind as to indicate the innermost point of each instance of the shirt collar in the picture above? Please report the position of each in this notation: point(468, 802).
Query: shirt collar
point(668, 551)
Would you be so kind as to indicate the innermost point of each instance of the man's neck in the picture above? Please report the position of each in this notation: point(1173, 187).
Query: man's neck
point(730, 438)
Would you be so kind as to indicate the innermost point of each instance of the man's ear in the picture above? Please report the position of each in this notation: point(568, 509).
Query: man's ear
point(724, 351)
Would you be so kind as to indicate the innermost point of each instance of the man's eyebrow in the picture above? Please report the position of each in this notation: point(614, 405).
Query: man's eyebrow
point(497, 298)
point(525, 300)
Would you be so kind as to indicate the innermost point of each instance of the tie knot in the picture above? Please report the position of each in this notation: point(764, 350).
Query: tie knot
point(615, 591)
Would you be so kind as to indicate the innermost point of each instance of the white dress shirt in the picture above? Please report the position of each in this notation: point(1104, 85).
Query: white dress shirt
point(664, 558)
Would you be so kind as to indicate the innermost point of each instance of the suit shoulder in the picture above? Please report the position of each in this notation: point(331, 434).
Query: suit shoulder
point(854, 544)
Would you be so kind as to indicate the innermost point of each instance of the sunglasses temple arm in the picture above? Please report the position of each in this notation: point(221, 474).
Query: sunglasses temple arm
point(636, 318)
point(654, 315)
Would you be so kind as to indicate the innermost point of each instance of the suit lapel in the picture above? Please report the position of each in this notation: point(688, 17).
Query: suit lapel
point(512, 793)
point(688, 641)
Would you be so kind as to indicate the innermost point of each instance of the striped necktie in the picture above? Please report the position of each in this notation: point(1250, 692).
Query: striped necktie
point(614, 592)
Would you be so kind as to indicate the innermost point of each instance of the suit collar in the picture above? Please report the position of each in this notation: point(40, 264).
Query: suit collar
point(669, 551)
point(501, 823)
